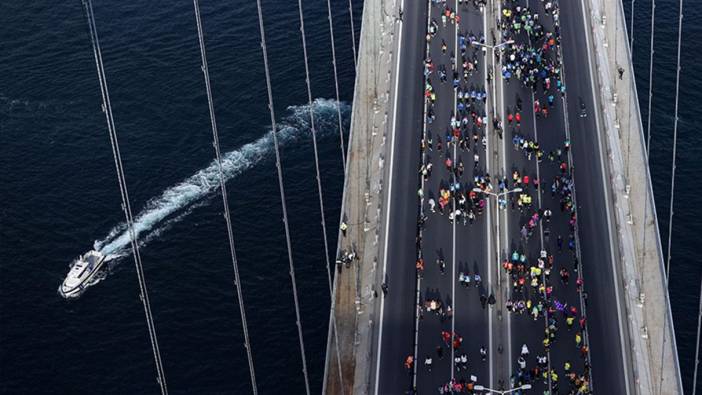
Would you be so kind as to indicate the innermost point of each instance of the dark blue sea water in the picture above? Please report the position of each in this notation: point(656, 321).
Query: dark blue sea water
point(59, 196)
point(685, 267)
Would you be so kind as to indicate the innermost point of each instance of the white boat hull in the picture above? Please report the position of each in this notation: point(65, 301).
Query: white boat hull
point(82, 273)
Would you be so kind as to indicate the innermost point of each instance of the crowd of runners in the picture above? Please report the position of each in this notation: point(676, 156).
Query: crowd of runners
point(458, 198)
point(534, 60)
point(531, 57)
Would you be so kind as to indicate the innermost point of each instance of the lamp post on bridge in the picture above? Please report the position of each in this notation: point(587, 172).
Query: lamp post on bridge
point(481, 388)
point(493, 47)
point(499, 196)
point(494, 75)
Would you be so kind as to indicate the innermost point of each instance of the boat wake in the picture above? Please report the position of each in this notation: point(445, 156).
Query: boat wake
point(177, 202)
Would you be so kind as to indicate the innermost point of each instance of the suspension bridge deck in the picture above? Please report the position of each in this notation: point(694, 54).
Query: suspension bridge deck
point(629, 326)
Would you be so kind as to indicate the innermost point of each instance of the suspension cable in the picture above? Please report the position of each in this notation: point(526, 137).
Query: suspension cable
point(282, 195)
point(642, 278)
point(697, 344)
point(316, 165)
point(126, 207)
point(675, 143)
point(672, 181)
point(336, 78)
point(631, 29)
point(650, 78)
point(225, 200)
point(633, 81)
point(353, 34)
point(672, 177)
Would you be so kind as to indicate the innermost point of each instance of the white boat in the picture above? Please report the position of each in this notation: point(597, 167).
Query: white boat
point(82, 273)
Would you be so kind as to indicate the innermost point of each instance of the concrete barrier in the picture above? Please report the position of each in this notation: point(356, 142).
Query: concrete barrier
point(354, 300)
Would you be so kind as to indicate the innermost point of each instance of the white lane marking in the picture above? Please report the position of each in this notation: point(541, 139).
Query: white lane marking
point(505, 216)
point(538, 173)
point(541, 227)
point(583, 308)
point(489, 208)
point(541, 224)
point(421, 208)
point(389, 199)
point(607, 209)
point(498, 74)
point(453, 239)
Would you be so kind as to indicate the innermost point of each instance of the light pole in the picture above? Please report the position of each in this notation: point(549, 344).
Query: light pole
point(498, 196)
point(493, 47)
point(481, 388)
point(494, 75)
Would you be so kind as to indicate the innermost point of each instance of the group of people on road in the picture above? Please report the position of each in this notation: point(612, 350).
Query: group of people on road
point(536, 60)
point(466, 127)
point(531, 55)
point(457, 195)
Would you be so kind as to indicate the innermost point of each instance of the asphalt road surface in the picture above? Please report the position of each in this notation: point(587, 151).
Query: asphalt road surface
point(397, 319)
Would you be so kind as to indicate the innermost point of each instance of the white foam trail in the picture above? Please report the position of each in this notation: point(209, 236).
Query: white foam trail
point(206, 181)
point(152, 234)
point(167, 224)
point(98, 244)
